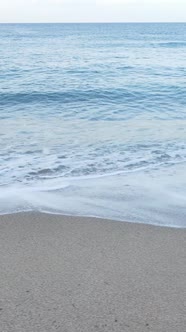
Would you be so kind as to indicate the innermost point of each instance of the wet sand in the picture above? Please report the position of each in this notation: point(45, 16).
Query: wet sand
point(73, 274)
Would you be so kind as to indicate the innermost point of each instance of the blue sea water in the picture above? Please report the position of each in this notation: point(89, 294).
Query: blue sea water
point(93, 120)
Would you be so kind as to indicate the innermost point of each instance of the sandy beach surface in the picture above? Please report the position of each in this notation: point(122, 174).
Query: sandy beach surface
point(78, 274)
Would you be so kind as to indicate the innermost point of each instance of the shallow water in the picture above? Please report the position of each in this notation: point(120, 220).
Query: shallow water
point(93, 120)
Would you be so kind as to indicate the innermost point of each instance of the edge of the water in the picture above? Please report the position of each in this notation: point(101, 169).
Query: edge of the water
point(92, 218)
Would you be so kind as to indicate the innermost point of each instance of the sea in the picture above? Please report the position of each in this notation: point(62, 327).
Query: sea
point(93, 120)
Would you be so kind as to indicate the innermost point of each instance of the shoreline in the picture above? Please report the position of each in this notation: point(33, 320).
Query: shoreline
point(92, 217)
point(63, 273)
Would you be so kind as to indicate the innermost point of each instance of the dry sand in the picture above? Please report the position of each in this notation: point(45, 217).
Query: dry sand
point(82, 274)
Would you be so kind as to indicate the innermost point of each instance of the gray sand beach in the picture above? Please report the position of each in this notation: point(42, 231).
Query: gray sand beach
point(73, 274)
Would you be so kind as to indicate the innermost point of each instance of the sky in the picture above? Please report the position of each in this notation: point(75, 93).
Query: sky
point(14, 11)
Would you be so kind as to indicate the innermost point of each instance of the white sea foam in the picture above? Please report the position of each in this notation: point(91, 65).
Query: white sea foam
point(157, 197)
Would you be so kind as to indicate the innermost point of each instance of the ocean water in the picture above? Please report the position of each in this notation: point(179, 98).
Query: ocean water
point(93, 120)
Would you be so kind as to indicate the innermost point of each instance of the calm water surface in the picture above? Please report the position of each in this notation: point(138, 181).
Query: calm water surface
point(93, 120)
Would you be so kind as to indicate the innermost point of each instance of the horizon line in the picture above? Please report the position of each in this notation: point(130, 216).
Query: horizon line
point(99, 22)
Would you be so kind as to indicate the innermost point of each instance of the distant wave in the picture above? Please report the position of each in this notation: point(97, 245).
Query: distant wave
point(112, 96)
point(72, 96)
point(173, 44)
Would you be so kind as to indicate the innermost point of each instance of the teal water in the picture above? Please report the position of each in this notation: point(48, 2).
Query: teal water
point(93, 120)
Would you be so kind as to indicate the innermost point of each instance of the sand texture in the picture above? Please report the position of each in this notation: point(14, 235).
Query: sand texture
point(88, 275)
